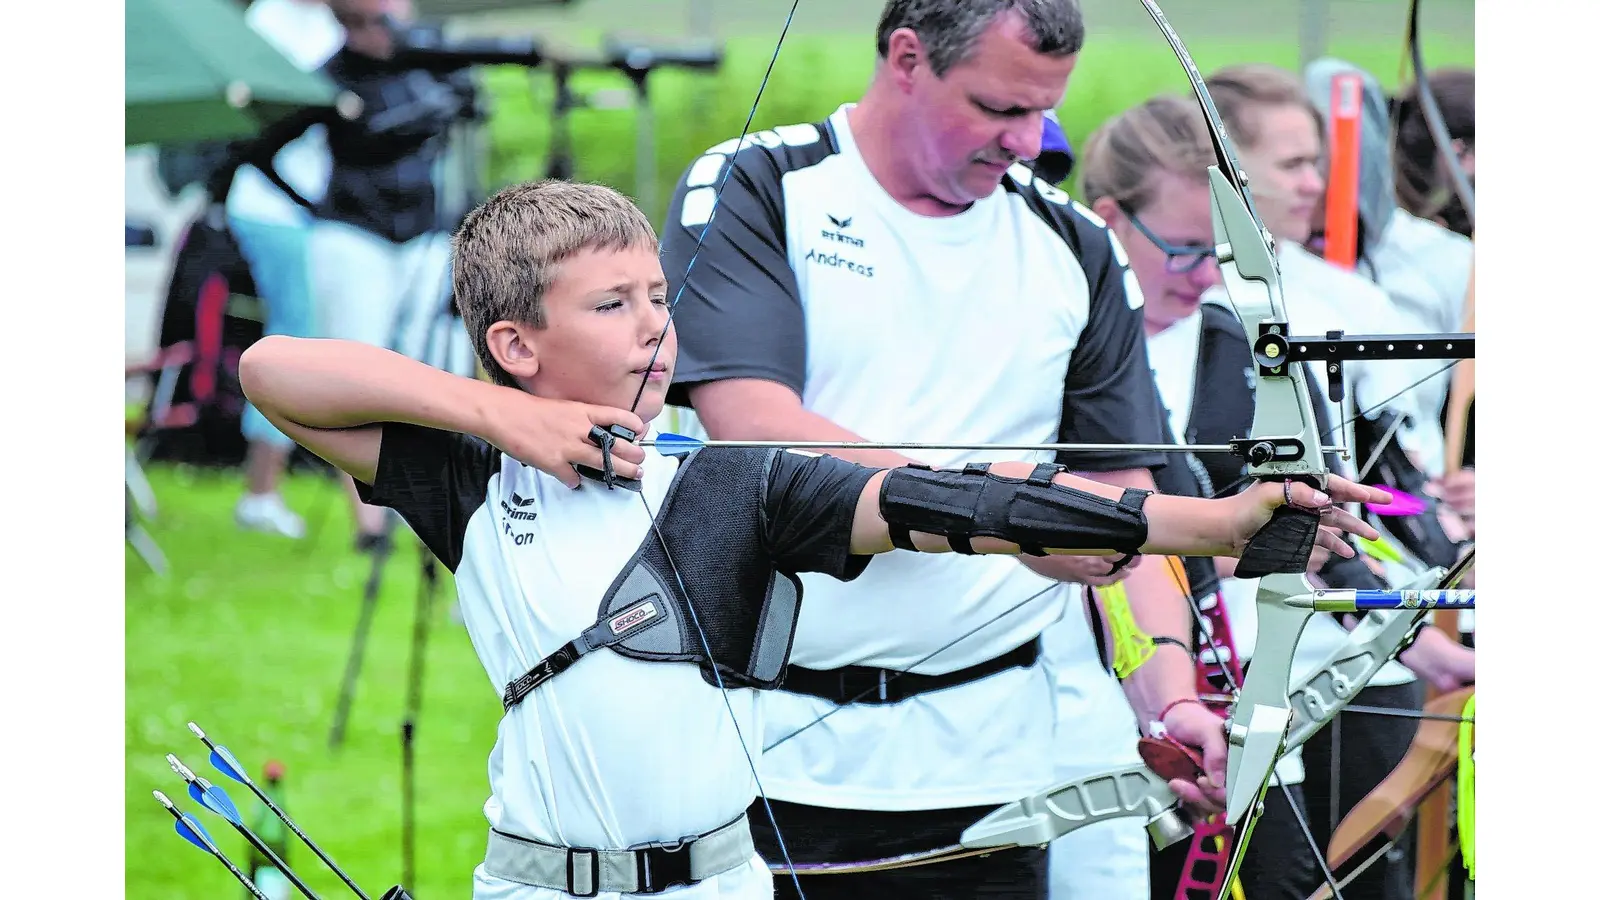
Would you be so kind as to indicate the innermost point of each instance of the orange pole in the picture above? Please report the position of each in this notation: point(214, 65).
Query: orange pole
point(1342, 206)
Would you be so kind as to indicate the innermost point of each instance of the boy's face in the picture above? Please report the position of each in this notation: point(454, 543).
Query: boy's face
point(604, 316)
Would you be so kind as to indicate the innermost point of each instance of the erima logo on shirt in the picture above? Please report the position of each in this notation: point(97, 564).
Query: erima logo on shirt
point(516, 509)
point(837, 234)
point(836, 261)
point(633, 618)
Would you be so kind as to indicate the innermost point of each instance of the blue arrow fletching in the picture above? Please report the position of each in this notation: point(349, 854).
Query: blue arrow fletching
point(223, 760)
point(193, 832)
point(668, 444)
point(214, 799)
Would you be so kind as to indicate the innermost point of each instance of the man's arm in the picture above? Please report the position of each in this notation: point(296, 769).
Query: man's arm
point(332, 397)
point(753, 409)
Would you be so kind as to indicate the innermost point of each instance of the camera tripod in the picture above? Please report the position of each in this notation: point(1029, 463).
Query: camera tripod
point(441, 349)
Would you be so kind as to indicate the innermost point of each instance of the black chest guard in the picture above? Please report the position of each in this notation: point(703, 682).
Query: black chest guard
point(707, 543)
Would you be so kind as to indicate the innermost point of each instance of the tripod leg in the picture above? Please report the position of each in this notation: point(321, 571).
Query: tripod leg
point(369, 607)
point(426, 589)
point(644, 165)
point(145, 546)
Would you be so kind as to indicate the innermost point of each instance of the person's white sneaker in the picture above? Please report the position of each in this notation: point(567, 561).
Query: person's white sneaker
point(266, 512)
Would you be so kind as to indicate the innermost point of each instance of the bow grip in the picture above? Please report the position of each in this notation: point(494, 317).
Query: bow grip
point(1283, 545)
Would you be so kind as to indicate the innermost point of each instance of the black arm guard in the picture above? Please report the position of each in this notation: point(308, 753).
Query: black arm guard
point(1034, 513)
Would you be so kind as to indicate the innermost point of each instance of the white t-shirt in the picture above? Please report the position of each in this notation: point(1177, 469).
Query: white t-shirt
point(978, 327)
point(1425, 268)
point(1096, 728)
point(308, 34)
point(533, 560)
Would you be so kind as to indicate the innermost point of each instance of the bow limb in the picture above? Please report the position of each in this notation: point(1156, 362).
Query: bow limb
point(1371, 827)
point(1380, 637)
point(1035, 821)
point(1283, 444)
point(1434, 850)
point(1460, 181)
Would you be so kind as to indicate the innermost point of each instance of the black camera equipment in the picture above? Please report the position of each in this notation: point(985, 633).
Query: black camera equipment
point(635, 61)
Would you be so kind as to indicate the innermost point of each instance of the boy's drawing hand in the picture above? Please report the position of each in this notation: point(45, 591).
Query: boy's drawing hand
point(553, 435)
point(1254, 506)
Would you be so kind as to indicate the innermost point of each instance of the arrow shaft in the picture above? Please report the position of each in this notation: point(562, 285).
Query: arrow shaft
point(912, 445)
point(243, 878)
point(277, 861)
point(1360, 600)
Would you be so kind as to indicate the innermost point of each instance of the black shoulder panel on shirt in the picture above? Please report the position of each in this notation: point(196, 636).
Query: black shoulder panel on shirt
point(761, 161)
point(1077, 225)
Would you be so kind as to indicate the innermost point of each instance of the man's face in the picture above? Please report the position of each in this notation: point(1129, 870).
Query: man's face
point(604, 316)
point(1179, 215)
point(1285, 170)
point(986, 112)
point(365, 29)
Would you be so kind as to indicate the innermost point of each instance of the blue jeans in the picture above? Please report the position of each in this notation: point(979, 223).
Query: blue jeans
point(279, 263)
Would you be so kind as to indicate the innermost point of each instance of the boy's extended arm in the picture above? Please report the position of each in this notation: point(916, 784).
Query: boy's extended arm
point(332, 397)
point(1171, 525)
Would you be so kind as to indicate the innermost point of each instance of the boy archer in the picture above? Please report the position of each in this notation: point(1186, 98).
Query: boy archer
point(612, 773)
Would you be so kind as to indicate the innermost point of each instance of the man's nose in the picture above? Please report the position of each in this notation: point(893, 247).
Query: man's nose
point(1024, 137)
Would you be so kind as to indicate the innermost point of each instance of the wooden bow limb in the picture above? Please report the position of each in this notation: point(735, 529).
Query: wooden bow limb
point(1381, 817)
point(1434, 847)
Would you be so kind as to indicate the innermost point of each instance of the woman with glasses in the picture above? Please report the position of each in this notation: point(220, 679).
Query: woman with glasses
point(1144, 172)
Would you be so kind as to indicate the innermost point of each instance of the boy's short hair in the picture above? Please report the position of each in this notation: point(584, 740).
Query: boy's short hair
point(507, 252)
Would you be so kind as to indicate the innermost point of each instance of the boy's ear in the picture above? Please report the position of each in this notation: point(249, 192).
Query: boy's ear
point(512, 346)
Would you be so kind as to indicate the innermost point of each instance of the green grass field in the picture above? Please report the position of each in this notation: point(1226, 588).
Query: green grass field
point(248, 637)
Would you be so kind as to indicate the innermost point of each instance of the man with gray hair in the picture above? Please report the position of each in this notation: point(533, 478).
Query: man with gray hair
point(898, 272)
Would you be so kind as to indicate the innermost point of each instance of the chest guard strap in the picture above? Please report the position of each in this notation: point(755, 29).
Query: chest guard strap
point(1034, 513)
point(707, 541)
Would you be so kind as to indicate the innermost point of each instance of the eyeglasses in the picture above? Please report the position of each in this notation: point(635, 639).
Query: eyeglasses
point(1180, 260)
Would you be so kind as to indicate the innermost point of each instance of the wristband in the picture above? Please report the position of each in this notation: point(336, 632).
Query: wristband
point(1163, 639)
point(1157, 727)
point(1168, 708)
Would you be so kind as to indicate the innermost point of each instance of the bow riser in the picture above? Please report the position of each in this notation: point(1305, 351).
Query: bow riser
point(1284, 440)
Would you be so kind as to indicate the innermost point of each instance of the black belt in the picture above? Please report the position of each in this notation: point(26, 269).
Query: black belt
point(866, 684)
